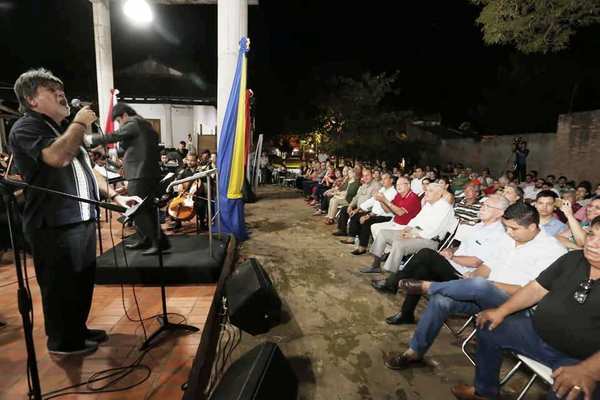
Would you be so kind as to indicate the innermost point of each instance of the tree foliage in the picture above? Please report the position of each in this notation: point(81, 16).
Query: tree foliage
point(535, 26)
point(354, 120)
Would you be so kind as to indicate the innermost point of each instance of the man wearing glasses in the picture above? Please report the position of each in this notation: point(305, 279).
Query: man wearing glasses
point(521, 255)
point(450, 263)
point(562, 332)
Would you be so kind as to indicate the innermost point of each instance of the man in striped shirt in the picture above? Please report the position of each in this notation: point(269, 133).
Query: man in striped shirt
point(61, 232)
point(467, 209)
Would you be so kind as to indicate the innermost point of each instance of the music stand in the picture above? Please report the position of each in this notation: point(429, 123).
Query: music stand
point(165, 324)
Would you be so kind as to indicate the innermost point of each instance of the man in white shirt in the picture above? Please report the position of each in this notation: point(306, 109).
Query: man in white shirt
point(520, 256)
point(373, 213)
point(432, 222)
point(450, 263)
point(416, 184)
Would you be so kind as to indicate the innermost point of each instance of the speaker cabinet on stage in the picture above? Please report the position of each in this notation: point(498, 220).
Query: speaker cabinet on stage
point(263, 373)
point(254, 305)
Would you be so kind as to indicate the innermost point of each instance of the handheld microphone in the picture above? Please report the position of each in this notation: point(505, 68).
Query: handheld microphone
point(78, 104)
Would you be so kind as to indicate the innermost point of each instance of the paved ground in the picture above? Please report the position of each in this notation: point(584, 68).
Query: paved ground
point(336, 337)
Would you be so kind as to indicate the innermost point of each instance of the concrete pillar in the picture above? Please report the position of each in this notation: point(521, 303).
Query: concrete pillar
point(232, 25)
point(104, 62)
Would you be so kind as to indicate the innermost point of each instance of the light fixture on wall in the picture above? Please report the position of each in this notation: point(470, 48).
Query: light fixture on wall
point(139, 11)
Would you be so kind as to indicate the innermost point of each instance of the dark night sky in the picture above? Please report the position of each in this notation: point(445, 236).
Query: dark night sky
point(298, 45)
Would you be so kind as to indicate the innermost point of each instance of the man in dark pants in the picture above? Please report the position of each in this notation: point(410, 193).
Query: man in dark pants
point(450, 263)
point(141, 165)
point(60, 231)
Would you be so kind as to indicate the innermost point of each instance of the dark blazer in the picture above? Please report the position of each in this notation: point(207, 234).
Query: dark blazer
point(139, 141)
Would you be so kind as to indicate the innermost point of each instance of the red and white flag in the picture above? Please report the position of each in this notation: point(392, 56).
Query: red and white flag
point(109, 126)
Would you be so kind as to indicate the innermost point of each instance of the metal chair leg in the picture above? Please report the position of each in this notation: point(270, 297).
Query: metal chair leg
point(511, 373)
point(526, 388)
point(464, 346)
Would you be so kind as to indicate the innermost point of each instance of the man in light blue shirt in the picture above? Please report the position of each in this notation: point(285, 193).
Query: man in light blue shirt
point(545, 204)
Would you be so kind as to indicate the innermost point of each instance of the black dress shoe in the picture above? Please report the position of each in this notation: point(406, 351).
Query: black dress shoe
point(398, 319)
point(88, 347)
point(96, 335)
point(338, 233)
point(370, 270)
point(411, 286)
point(381, 286)
point(358, 252)
point(164, 246)
point(401, 362)
point(139, 244)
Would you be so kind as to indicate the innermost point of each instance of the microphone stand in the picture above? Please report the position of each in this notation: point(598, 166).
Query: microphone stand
point(7, 189)
point(165, 324)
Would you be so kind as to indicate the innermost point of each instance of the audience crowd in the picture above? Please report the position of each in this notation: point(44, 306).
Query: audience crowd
point(522, 256)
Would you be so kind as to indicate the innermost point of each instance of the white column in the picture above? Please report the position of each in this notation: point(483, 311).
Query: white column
point(232, 25)
point(104, 62)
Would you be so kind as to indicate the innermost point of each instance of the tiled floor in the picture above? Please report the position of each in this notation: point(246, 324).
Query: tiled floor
point(170, 361)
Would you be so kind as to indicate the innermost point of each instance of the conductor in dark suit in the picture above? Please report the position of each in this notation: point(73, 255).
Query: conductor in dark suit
point(141, 166)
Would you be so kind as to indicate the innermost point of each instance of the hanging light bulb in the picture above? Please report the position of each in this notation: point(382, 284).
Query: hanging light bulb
point(139, 11)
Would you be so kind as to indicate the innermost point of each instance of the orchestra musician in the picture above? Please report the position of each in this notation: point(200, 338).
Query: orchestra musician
point(141, 168)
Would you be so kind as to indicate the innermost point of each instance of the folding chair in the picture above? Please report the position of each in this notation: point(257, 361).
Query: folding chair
point(539, 371)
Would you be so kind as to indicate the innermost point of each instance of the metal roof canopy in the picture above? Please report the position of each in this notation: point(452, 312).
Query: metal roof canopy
point(181, 2)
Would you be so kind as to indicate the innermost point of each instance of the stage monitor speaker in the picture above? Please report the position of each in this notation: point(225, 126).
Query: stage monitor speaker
point(263, 373)
point(254, 305)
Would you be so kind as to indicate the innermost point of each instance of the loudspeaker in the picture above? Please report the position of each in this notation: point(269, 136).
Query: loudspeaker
point(254, 305)
point(263, 373)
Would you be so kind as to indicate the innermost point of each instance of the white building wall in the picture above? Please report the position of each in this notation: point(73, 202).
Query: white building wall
point(205, 120)
point(177, 121)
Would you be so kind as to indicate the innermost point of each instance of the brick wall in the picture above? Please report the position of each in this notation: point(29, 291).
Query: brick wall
point(572, 151)
point(577, 146)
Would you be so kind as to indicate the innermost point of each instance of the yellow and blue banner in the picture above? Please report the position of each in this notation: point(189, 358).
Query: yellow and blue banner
point(231, 156)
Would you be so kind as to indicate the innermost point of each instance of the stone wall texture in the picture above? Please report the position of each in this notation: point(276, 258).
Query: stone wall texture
point(571, 151)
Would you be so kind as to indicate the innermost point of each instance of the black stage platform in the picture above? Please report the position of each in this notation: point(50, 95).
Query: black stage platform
point(188, 261)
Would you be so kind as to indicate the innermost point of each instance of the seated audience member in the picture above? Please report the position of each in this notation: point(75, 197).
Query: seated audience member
point(405, 206)
point(573, 236)
point(368, 188)
point(597, 191)
point(561, 184)
point(449, 197)
point(529, 181)
point(561, 333)
point(583, 193)
point(530, 192)
point(430, 223)
point(458, 182)
point(342, 197)
point(486, 178)
point(339, 185)
point(513, 193)
point(450, 263)
point(467, 209)
point(374, 213)
point(520, 256)
point(545, 203)
point(416, 184)
point(567, 195)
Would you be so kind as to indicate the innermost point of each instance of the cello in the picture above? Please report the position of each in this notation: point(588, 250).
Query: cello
point(182, 207)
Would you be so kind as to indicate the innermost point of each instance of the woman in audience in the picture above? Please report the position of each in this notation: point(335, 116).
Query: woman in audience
point(342, 197)
point(513, 193)
point(448, 196)
point(340, 183)
point(573, 237)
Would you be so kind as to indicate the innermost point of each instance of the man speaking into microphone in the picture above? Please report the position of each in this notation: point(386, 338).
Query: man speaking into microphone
point(48, 152)
point(139, 141)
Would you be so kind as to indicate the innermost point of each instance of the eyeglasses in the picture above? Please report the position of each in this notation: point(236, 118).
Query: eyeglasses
point(583, 292)
point(486, 205)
